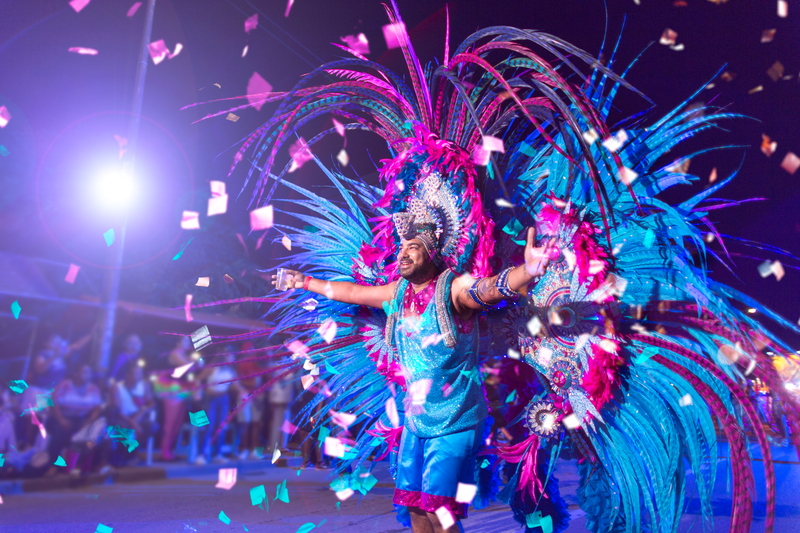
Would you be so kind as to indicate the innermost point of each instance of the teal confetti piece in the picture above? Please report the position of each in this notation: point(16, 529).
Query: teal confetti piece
point(512, 396)
point(2, 461)
point(282, 494)
point(60, 461)
point(527, 149)
point(15, 309)
point(43, 400)
point(323, 434)
point(369, 482)
point(91, 496)
point(305, 528)
point(339, 506)
point(109, 237)
point(224, 518)
point(537, 520)
point(649, 239)
point(101, 528)
point(258, 495)
point(514, 228)
point(485, 463)
point(179, 254)
point(4, 151)
point(298, 473)
point(245, 527)
point(332, 369)
point(646, 354)
point(199, 419)
point(17, 385)
point(125, 437)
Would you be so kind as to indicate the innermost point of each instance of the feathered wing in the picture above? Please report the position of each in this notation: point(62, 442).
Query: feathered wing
point(637, 360)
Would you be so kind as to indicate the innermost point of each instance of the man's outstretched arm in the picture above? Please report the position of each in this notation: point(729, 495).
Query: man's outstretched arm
point(342, 291)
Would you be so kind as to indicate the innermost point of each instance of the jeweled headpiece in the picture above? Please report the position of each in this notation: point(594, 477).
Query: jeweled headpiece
point(418, 223)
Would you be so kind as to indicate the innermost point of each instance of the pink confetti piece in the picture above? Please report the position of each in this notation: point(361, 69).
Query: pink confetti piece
point(768, 35)
point(251, 23)
point(257, 89)
point(307, 381)
point(289, 5)
point(158, 51)
point(190, 220)
point(287, 243)
point(493, 144)
point(300, 154)
point(217, 205)
point(227, 478)
point(5, 116)
point(217, 188)
point(339, 127)
point(393, 34)
point(327, 330)
point(261, 240)
point(790, 163)
point(668, 37)
point(783, 9)
point(357, 43)
point(203, 282)
point(72, 273)
point(178, 48)
point(261, 218)
point(134, 8)
point(35, 422)
point(77, 5)
point(187, 308)
point(391, 413)
point(241, 241)
point(343, 420)
point(83, 51)
point(123, 142)
point(480, 156)
point(298, 349)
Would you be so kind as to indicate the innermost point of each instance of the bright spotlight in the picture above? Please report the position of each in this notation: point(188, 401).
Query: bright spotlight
point(115, 186)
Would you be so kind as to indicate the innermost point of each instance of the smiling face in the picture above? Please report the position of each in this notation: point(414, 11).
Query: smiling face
point(414, 263)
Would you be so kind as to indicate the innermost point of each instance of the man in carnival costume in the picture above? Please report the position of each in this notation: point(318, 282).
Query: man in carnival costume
point(624, 355)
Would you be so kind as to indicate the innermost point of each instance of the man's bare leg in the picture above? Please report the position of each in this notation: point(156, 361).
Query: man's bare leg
point(437, 526)
point(420, 523)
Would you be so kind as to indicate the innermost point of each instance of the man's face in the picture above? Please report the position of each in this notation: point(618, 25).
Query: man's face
point(414, 264)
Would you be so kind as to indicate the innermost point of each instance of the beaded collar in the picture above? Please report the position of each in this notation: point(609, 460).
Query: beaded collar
point(416, 304)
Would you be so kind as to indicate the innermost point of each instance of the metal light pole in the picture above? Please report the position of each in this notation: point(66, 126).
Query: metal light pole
point(108, 310)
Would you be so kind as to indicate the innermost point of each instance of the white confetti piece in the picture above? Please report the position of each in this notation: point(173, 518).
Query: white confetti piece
point(203, 282)
point(261, 218)
point(327, 330)
point(502, 202)
point(614, 143)
point(276, 455)
point(446, 519)
point(783, 9)
point(310, 304)
point(465, 493)
point(178, 372)
point(590, 136)
point(391, 412)
point(190, 220)
point(513, 354)
point(344, 494)
point(685, 401)
point(201, 338)
point(334, 447)
point(306, 381)
point(534, 326)
point(343, 158)
point(571, 422)
point(493, 144)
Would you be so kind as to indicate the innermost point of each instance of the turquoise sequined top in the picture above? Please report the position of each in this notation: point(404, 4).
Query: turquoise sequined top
point(455, 401)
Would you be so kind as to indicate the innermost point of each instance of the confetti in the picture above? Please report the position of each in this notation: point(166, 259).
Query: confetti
point(344, 494)
point(756, 89)
point(199, 419)
point(768, 146)
point(300, 154)
point(768, 35)
point(334, 447)
point(298, 349)
point(109, 237)
point(289, 5)
point(178, 372)
point(4, 151)
point(446, 519)
point(615, 142)
point(244, 53)
point(685, 401)
point(327, 330)
point(339, 127)
point(17, 385)
point(571, 422)
point(287, 243)
point(343, 420)
point(783, 9)
point(134, 8)
point(343, 158)
point(217, 205)
point(5, 116)
point(83, 51)
point(261, 218)
point(276, 455)
point(202, 282)
point(357, 43)
point(16, 309)
point(534, 325)
point(502, 202)
point(257, 87)
point(60, 461)
point(728, 76)
point(393, 33)
point(480, 156)
point(227, 478)
point(187, 308)
point(391, 413)
point(775, 72)
point(77, 5)
point(668, 37)
point(677, 47)
point(179, 254)
point(590, 136)
point(102, 528)
point(513, 354)
point(224, 518)
point(465, 493)
point(231, 116)
point(251, 23)
point(228, 279)
point(511, 397)
point(200, 338)
point(72, 273)
point(627, 176)
point(306, 381)
point(493, 144)
point(790, 163)
point(190, 220)
point(159, 51)
point(124, 435)
point(258, 495)
point(537, 520)
point(282, 493)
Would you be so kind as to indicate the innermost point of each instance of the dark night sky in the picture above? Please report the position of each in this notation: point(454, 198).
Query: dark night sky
point(66, 107)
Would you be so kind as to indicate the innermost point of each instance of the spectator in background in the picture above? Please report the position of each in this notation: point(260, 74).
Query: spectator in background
point(216, 403)
point(50, 364)
point(249, 415)
point(279, 396)
point(131, 349)
point(173, 394)
point(133, 405)
point(77, 421)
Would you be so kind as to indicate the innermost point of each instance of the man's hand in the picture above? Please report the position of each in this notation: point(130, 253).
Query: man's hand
point(537, 258)
point(296, 279)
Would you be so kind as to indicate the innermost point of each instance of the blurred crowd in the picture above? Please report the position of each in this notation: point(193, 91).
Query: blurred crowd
point(70, 409)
